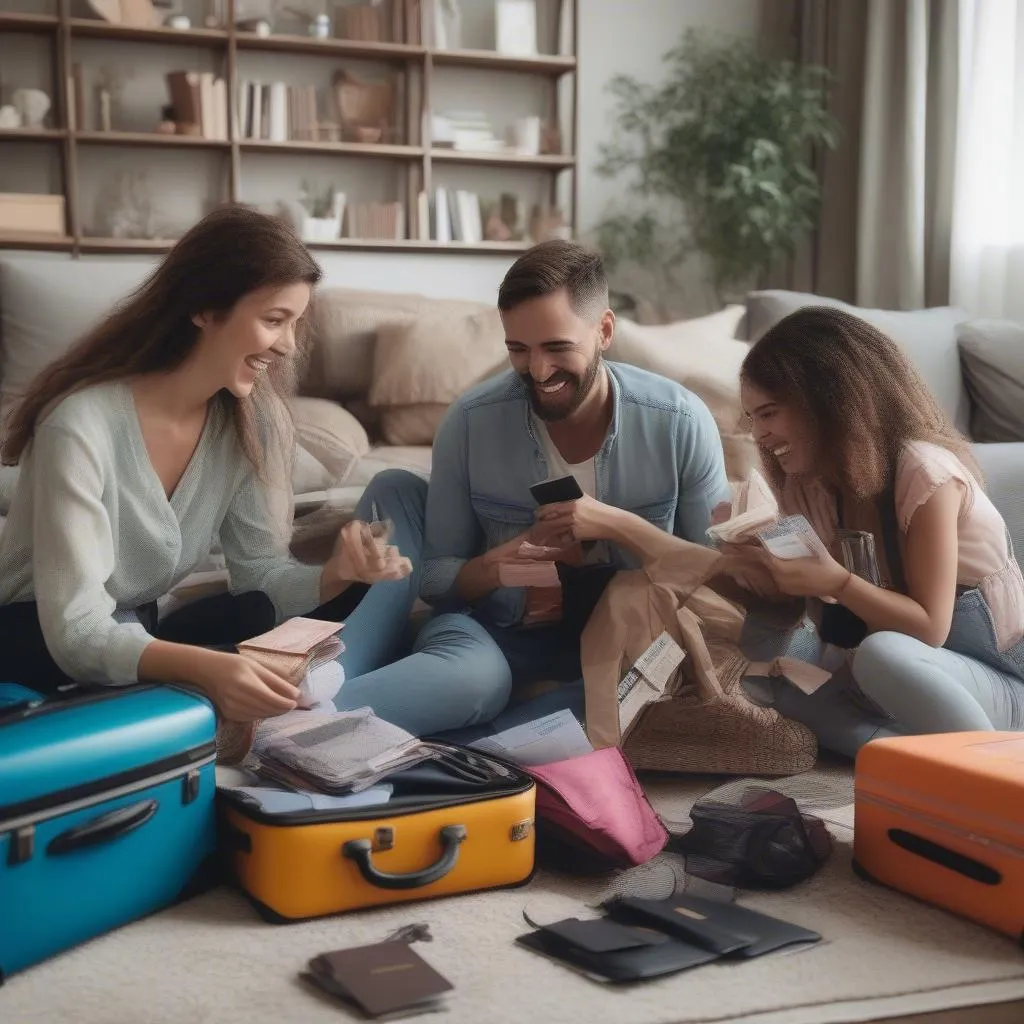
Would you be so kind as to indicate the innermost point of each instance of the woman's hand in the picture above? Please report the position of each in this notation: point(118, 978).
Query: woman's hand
point(744, 564)
point(721, 513)
point(821, 576)
point(244, 691)
point(572, 522)
point(361, 557)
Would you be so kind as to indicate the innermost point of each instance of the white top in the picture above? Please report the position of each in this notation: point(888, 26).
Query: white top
point(586, 477)
point(91, 533)
point(585, 473)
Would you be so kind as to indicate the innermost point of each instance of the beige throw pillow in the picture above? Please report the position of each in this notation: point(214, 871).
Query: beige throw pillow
point(344, 323)
point(332, 436)
point(703, 356)
point(421, 367)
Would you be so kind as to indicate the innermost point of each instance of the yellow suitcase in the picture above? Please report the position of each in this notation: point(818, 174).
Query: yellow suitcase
point(436, 836)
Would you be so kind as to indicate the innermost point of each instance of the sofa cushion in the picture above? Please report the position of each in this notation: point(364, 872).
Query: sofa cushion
point(703, 356)
point(927, 336)
point(344, 323)
point(1002, 466)
point(992, 356)
point(329, 434)
point(410, 425)
point(46, 304)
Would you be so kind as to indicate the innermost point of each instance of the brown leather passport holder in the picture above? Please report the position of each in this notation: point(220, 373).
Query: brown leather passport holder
point(381, 979)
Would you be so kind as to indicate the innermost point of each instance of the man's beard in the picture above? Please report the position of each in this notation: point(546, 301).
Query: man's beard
point(581, 387)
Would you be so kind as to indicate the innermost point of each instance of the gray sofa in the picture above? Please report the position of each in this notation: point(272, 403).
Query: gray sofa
point(975, 368)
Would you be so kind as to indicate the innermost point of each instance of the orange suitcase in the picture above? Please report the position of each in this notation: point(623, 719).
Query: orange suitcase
point(942, 818)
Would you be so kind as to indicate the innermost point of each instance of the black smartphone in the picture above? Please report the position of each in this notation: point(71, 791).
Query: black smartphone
point(552, 492)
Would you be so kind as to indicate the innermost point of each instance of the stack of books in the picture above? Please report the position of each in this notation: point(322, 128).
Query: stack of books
point(376, 220)
point(200, 103)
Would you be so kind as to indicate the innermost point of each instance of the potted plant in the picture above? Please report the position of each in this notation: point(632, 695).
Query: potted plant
point(717, 161)
point(323, 211)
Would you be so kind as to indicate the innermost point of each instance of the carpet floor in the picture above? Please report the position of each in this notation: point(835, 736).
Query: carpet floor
point(213, 961)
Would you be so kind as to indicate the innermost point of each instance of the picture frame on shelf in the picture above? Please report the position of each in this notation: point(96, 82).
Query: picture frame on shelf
point(516, 27)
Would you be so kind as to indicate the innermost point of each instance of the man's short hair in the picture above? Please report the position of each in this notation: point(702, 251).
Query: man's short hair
point(551, 266)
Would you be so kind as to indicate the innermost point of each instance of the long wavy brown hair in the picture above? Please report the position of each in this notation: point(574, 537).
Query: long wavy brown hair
point(231, 252)
point(863, 399)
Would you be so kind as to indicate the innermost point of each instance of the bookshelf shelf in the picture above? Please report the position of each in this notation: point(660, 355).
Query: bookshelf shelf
point(35, 23)
point(547, 162)
point(491, 60)
point(32, 134)
point(228, 56)
point(330, 47)
point(149, 139)
point(87, 28)
point(158, 245)
point(415, 245)
point(356, 149)
point(28, 240)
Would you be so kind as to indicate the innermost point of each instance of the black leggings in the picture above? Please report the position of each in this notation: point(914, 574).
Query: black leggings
point(220, 621)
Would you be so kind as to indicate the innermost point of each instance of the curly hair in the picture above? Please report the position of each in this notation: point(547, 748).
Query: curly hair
point(862, 397)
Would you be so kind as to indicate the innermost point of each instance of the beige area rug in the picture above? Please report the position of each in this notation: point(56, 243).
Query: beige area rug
point(213, 961)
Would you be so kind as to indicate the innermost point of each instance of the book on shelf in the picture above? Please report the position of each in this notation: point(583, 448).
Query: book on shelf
point(277, 112)
point(199, 100)
point(382, 21)
point(457, 216)
point(385, 221)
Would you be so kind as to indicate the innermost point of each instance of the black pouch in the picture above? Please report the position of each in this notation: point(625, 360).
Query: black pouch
point(840, 627)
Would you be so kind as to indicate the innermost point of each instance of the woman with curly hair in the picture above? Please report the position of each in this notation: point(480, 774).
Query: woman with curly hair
point(851, 438)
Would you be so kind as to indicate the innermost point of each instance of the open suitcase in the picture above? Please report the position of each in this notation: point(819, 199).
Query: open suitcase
point(106, 811)
point(439, 834)
point(942, 818)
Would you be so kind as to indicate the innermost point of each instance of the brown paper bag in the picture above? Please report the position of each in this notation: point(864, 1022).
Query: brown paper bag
point(692, 717)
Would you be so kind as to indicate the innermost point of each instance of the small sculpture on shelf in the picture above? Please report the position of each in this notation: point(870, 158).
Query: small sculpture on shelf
point(9, 117)
point(366, 109)
point(110, 82)
point(32, 105)
point(546, 224)
point(167, 125)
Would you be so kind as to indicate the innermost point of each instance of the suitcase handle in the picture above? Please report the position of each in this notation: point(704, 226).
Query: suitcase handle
point(103, 829)
point(361, 851)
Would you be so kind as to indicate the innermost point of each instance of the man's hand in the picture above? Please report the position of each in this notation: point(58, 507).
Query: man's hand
point(573, 522)
point(361, 557)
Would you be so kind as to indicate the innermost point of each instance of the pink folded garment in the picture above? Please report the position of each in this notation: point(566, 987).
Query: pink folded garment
point(593, 814)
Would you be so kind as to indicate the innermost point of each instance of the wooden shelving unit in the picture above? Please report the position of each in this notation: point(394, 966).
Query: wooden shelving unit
point(229, 44)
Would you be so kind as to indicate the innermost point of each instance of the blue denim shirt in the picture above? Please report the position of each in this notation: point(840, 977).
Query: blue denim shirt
point(662, 460)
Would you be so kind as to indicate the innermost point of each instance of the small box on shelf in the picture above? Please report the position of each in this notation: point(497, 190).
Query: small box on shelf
point(24, 213)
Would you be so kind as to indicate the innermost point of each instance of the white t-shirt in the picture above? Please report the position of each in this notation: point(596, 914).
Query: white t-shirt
point(586, 477)
point(585, 473)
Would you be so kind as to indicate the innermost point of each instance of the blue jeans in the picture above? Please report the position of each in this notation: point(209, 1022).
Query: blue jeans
point(459, 673)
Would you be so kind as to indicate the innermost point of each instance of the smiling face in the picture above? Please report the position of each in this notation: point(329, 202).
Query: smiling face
point(556, 352)
point(781, 431)
point(240, 345)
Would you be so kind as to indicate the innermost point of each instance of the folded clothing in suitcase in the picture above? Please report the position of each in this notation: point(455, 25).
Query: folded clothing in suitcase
point(436, 829)
point(106, 811)
point(942, 818)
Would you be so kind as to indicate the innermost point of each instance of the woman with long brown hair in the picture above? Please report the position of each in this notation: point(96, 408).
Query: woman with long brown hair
point(164, 428)
point(851, 438)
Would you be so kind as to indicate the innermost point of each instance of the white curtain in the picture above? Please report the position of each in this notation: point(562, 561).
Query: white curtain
point(941, 188)
point(987, 241)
